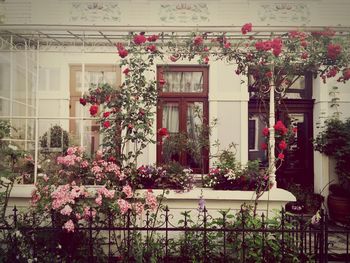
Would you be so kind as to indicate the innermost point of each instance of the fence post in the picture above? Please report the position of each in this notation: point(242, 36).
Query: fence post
point(15, 248)
point(128, 233)
point(205, 233)
point(263, 236)
point(321, 242)
point(91, 249)
point(243, 235)
point(282, 234)
point(224, 232)
point(326, 237)
point(166, 232)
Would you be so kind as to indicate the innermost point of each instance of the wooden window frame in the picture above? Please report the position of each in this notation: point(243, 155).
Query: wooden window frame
point(183, 98)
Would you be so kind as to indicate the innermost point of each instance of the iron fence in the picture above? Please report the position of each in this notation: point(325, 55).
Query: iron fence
point(156, 237)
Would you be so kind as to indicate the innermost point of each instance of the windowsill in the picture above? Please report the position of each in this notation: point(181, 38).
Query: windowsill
point(277, 194)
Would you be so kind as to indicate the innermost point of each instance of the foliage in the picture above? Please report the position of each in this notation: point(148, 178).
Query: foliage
point(169, 176)
point(228, 174)
point(306, 200)
point(334, 141)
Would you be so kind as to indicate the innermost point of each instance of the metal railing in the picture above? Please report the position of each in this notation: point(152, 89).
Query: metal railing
point(154, 237)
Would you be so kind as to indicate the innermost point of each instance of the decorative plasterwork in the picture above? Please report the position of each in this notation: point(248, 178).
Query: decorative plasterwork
point(96, 11)
point(184, 13)
point(284, 12)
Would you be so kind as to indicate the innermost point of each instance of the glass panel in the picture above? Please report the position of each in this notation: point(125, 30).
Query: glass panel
point(256, 139)
point(194, 124)
point(93, 78)
point(183, 82)
point(171, 117)
point(252, 134)
point(296, 151)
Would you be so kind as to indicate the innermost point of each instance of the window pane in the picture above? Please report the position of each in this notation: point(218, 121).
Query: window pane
point(252, 134)
point(171, 117)
point(194, 125)
point(183, 82)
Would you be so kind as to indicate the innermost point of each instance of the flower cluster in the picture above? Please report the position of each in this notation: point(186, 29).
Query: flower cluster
point(282, 136)
point(172, 176)
point(247, 179)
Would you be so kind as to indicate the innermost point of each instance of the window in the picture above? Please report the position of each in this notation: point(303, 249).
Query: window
point(87, 131)
point(183, 106)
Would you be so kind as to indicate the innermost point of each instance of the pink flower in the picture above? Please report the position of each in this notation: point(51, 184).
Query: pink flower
point(106, 114)
point(346, 74)
point(88, 214)
point(128, 191)
point(264, 146)
point(139, 39)
point(138, 207)
point(67, 210)
point(71, 150)
point(98, 200)
point(84, 164)
point(106, 193)
point(69, 226)
point(304, 55)
point(151, 200)
point(246, 28)
point(123, 53)
point(124, 206)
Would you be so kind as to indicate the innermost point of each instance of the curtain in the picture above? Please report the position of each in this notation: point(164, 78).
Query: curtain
point(171, 117)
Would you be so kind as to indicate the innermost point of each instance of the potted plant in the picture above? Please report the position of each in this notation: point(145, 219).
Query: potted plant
point(334, 141)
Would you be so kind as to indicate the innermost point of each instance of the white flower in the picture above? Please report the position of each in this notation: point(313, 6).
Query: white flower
point(4, 180)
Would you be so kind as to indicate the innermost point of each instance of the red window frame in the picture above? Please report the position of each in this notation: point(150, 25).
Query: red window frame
point(183, 99)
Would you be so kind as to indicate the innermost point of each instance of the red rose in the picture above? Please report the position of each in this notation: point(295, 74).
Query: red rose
point(264, 146)
point(304, 43)
point(281, 156)
point(93, 110)
point(122, 53)
point(268, 74)
point(332, 72)
point(305, 55)
point(282, 145)
point(198, 40)
point(265, 131)
point(206, 60)
point(162, 82)
point(126, 71)
point(163, 132)
point(139, 39)
point(152, 38)
point(227, 45)
point(174, 58)
point(106, 114)
point(151, 48)
point(346, 74)
point(333, 51)
point(246, 28)
point(112, 159)
point(130, 126)
point(141, 112)
point(106, 124)
point(82, 101)
point(121, 50)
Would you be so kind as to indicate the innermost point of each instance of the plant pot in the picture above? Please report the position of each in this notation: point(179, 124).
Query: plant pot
point(339, 209)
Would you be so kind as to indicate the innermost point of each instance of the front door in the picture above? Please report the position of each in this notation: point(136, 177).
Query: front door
point(298, 164)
